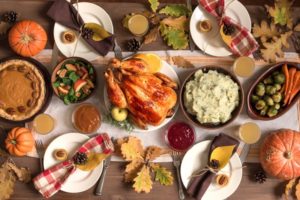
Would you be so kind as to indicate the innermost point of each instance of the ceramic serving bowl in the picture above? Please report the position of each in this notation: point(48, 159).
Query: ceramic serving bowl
point(252, 112)
point(91, 76)
point(234, 113)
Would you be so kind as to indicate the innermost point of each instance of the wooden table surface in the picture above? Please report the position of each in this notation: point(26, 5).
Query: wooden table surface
point(115, 188)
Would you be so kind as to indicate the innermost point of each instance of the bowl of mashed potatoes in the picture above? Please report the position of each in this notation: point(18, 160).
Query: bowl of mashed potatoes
point(211, 97)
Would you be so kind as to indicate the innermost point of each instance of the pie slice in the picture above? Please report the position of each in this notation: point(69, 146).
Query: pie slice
point(22, 90)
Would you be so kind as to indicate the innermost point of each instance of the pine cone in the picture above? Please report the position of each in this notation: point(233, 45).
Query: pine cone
point(9, 17)
point(215, 164)
point(228, 29)
point(80, 158)
point(87, 33)
point(133, 45)
point(260, 176)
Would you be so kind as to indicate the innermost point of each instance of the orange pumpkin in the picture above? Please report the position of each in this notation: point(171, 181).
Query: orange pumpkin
point(19, 141)
point(27, 38)
point(280, 154)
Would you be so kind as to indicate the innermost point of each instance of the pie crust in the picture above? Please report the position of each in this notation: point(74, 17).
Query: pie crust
point(22, 90)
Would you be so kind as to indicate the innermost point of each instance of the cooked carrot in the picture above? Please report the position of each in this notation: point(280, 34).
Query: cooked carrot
point(292, 73)
point(296, 87)
point(287, 78)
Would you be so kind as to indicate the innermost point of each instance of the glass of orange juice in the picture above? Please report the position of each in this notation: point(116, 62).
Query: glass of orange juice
point(244, 66)
point(249, 132)
point(43, 124)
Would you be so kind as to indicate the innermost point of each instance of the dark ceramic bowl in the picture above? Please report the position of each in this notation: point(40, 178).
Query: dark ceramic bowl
point(234, 113)
point(48, 95)
point(252, 112)
point(54, 73)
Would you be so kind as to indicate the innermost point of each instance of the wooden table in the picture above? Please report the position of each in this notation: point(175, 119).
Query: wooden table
point(115, 188)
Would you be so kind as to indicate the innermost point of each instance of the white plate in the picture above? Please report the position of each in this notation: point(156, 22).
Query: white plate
point(170, 72)
point(211, 42)
point(196, 158)
point(89, 12)
point(80, 180)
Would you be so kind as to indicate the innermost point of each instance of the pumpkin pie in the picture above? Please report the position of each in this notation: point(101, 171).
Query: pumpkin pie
point(22, 90)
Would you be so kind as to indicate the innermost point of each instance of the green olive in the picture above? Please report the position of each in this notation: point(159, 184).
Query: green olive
point(260, 89)
point(270, 90)
point(279, 78)
point(272, 112)
point(260, 104)
point(277, 97)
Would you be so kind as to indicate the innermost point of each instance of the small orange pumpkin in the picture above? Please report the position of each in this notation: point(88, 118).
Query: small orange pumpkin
point(27, 38)
point(19, 141)
point(280, 154)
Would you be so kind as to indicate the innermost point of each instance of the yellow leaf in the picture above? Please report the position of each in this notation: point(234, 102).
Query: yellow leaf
point(264, 30)
point(143, 182)
point(222, 154)
point(180, 61)
point(281, 13)
point(153, 152)
point(117, 145)
point(298, 190)
point(99, 32)
point(162, 175)
point(272, 50)
point(288, 188)
point(297, 28)
point(152, 35)
point(132, 169)
point(179, 23)
point(94, 159)
point(132, 149)
point(284, 38)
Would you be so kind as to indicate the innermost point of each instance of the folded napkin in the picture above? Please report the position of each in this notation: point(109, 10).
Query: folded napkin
point(243, 43)
point(198, 185)
point(51, 180)
point(64, 13)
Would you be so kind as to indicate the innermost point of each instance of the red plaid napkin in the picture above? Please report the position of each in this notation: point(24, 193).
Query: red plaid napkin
point(243, 43)
point(51, 180)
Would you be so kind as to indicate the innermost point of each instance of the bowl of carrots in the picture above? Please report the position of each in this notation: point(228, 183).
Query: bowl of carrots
point(274, 92)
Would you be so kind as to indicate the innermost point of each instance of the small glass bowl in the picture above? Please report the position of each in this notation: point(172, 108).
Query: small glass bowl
point(189, 143)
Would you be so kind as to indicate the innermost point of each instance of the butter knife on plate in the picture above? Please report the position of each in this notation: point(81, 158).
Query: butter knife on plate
point(98, 190)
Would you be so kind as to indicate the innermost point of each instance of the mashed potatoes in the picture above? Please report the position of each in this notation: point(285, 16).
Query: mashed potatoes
point(211, 97)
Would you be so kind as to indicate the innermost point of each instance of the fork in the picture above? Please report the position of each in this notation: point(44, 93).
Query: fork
point(176, 163)
point(296, 43)
point(40, 151)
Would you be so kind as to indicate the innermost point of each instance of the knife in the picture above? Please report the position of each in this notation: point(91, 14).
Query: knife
point(98, 190)
point(191, 42)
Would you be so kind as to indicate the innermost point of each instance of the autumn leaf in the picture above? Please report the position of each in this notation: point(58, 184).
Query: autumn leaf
point(132, 169)
point(152, 152)
point(174, 37)
point(7, 181)
point(281, 12)
point(175, 10)
point(162, 175)
point(117, 145)
point(143, 182)
point(94, 159)
point(284, 38)
point(180, 61)
point(289, 187)
point(297, 28)
point(222, 154)
point(272, 50)
point(298, 190)
point(152, 35)
point(264, 30)
point(132, 149)
point(154, 5)
point(23, 174)
point(180, 23)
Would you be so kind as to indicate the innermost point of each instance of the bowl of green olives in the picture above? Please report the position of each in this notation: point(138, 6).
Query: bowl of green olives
point(265, 99)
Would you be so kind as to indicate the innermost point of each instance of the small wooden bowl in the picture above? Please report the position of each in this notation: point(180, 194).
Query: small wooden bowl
point(252, 112)
point(235, 112)
point(53, 77)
